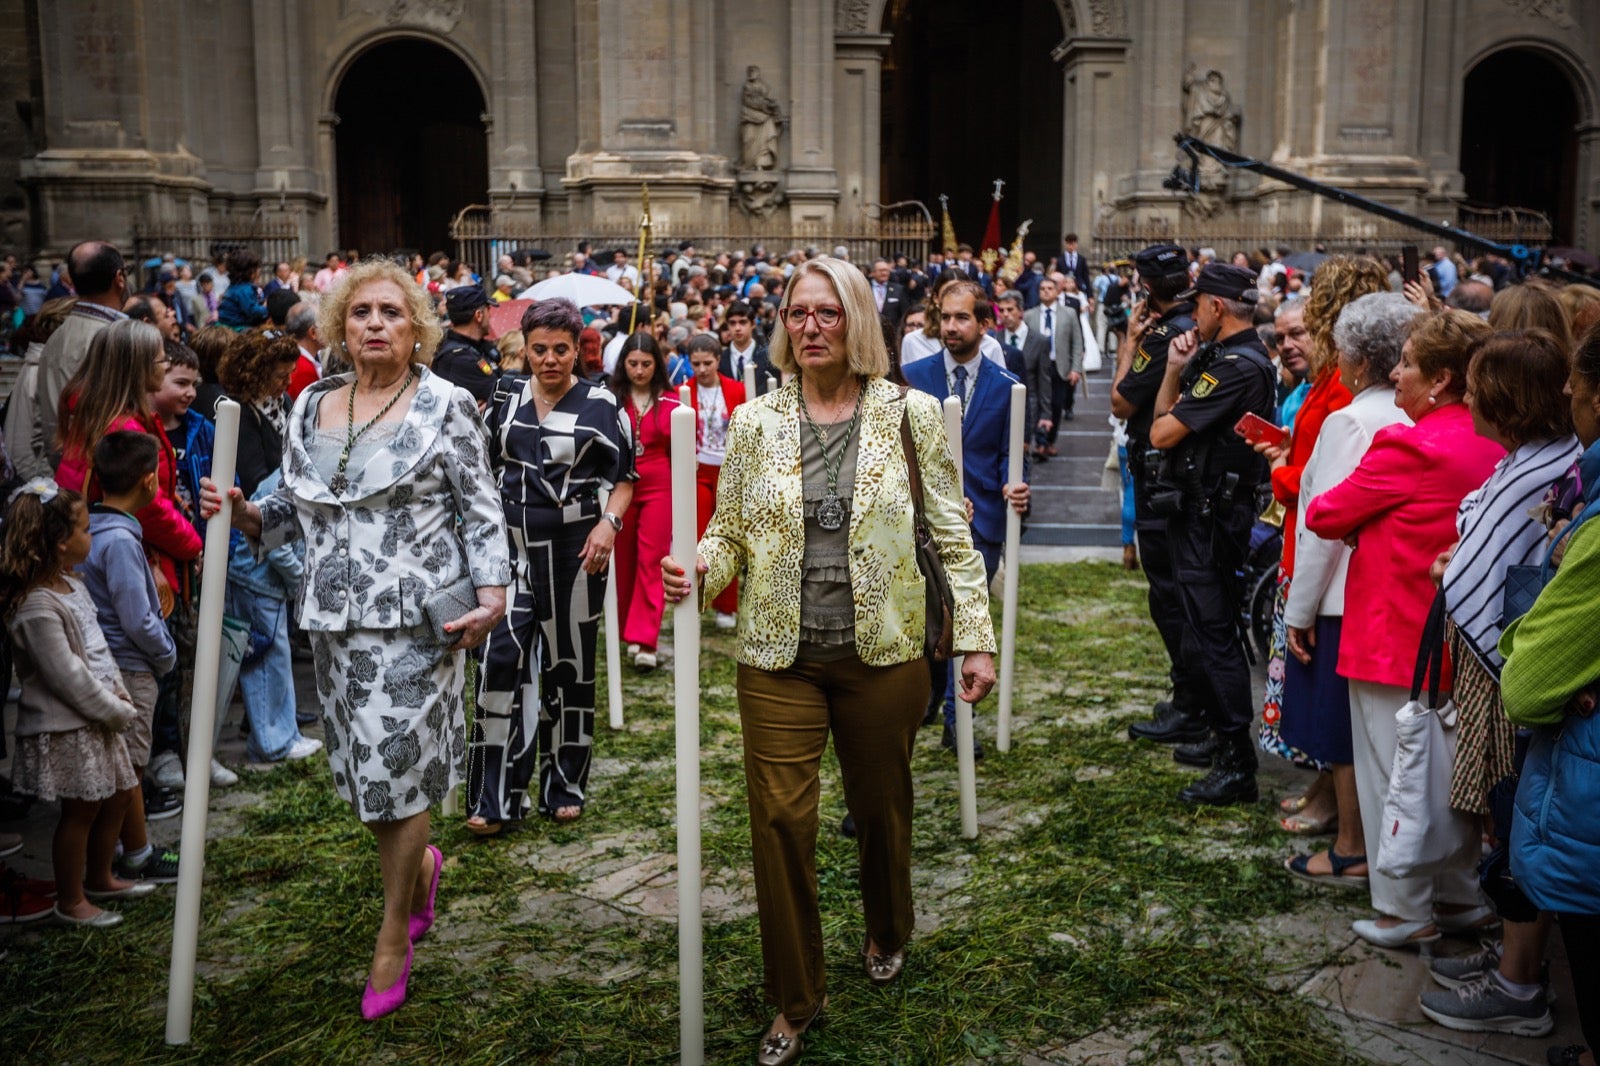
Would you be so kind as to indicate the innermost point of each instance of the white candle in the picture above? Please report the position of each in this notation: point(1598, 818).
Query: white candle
point(750, 380)
point(202, 716)
point(613, 633)
point(686, 685)
point(683, 396)
point(966, 767)
point(1008, 611)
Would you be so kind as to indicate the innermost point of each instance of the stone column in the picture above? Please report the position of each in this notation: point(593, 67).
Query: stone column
point(516, 181)
point(1586, 216)
point(287, 182)
point(639, 119)
point(857, 104)
point(811, 182)
point(1095, 118)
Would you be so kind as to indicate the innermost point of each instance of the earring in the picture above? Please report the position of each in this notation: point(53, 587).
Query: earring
point(1433, 399)
point(417, 347)
point(346, 346)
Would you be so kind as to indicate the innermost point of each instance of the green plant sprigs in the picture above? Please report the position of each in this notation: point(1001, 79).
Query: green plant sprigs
point(1091, 903)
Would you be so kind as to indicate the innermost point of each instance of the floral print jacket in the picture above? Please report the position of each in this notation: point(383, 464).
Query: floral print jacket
point(757, 532)
point(379, 549)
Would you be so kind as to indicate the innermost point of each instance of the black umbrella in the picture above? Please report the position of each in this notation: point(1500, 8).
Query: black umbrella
point(1305, 262)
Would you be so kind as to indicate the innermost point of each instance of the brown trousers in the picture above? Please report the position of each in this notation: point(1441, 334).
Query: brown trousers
point(873, 713)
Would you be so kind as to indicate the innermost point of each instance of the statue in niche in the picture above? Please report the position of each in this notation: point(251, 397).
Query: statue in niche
point(759, 194)
point(760, 119)
point(1210, 115)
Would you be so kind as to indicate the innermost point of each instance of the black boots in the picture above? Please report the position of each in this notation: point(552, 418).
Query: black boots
point(1171, 726)
point(1232, 778)
point(1201, 753)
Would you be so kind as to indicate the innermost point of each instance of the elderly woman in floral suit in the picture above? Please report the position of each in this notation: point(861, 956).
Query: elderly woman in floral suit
point(387, 481)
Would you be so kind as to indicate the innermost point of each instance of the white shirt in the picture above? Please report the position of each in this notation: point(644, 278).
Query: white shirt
point(630, 271)
point(880, 292)
point(613, 348)
point(919, 346)
point(1019, 336)
point(740, 358)
point(950, 364)
point(307, 353)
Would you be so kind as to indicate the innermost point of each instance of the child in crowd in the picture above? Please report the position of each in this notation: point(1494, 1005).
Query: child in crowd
point(74, 710)
point(193, 438)
point(118, 575)
point(258, 593)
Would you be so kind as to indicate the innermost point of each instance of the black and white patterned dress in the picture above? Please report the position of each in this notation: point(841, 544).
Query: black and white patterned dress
point(537, 696)
point(419, 511)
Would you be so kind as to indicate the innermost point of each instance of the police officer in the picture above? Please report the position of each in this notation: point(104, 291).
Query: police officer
point(466, 357)
point(1208, 488)
point(1141, 367)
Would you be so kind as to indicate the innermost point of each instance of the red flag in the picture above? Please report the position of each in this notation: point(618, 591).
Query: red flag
point(991, 232)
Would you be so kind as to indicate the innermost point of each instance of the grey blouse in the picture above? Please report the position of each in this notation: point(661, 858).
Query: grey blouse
point(827, 610)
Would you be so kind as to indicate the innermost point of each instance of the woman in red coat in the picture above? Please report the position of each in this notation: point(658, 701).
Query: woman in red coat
point(643, 392)
point(714, 397)
point(1399, 509)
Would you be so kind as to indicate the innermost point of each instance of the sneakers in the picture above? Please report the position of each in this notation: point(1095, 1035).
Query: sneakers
point(1465, 969)
point(21, 899)
point(161, 803)
point(645, 660)
point(160, 868)
point(1484, 1006)
point(221, 776)
point(166, 770)
point(726, 620)
point(302, 748)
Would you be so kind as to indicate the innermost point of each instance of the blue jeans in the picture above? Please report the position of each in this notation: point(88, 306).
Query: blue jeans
point(266, 680)
point(944, 674)
point(1127, 495)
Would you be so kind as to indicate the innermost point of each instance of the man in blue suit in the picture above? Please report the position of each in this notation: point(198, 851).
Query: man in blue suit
point(984, 388)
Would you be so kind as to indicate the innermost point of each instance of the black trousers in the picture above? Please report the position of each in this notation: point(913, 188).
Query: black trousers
point(1166, 607)
point(1581, 934)
point(1206, 555)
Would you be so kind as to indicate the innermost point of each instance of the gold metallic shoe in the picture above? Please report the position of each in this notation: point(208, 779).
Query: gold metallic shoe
point(779, 1048)
point(882, 969)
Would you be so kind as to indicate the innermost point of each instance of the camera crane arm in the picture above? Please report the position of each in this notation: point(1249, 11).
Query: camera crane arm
point(1524, 259)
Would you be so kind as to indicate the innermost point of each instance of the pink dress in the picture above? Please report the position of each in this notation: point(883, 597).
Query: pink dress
point(647, 529)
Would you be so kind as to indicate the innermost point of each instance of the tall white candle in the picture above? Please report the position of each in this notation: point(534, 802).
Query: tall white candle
point(202, 717)
point(686, 684)
point(1008, 611)
point(750, 380)
point(966, 767)
point(613, 634)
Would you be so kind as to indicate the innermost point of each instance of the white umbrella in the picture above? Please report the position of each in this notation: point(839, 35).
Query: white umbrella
point(584, 290)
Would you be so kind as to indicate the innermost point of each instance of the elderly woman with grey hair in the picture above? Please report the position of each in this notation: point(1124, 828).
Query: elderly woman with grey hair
point(1368, 337)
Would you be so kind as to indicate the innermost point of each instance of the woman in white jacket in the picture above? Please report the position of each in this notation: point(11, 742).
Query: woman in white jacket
point(1369, 335)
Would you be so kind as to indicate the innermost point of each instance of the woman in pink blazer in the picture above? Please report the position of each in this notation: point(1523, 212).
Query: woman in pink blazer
point(1398, 509)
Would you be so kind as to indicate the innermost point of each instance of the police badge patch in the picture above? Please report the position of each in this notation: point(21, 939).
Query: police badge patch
point(1203, 387)
point(1141, 359)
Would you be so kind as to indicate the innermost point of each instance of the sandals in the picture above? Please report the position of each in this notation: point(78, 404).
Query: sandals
point(477, 826)
point(567, 814)
point(1300, 866)
point(1474, 921)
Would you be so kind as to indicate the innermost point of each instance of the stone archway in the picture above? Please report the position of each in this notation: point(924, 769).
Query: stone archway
point(1521, 148)
point(404, 171)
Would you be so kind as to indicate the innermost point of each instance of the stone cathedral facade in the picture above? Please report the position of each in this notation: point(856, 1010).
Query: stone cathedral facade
point(376, 123)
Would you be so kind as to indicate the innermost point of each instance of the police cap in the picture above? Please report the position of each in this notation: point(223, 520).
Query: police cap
point(1224, 280)
point(1161, 261)
point(464, 298)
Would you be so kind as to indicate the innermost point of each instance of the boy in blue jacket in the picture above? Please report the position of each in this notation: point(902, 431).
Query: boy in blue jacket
point(118, 576)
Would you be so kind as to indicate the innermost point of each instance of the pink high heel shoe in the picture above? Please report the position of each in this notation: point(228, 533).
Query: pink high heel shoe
point(375, 1004)
point(422, 921)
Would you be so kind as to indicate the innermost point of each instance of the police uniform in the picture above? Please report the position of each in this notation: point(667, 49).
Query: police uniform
point(461, 360)
point(1216, 475)
point(1183, 719)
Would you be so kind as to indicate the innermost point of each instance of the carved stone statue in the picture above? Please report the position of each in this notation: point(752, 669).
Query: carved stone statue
point(1211, 116)
point(760, 118)
point(759, 194)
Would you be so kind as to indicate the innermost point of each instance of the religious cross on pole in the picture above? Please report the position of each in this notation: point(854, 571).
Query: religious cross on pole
point(998, 184)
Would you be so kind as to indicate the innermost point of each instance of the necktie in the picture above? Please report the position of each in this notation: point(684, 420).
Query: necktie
point(1011, 338)
point(1050, 331)
point(961, 386)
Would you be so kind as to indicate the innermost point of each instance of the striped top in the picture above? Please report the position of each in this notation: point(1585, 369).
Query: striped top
point(1497, 532)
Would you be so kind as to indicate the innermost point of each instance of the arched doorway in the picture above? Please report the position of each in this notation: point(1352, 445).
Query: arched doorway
point(411, 148)
point(971, 94)
point(1519, 138)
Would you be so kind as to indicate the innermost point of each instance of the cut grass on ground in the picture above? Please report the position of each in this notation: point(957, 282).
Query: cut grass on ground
point(1091, 899)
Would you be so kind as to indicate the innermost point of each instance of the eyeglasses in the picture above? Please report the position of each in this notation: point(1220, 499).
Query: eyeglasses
point(827, 317)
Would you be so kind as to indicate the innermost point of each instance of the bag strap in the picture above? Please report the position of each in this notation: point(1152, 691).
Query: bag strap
point(1546, 566)
point(913, 468)
point(1430, 655)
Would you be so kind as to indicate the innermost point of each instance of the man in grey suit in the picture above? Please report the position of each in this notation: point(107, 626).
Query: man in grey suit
point(1064, 336)
point(1038, 372)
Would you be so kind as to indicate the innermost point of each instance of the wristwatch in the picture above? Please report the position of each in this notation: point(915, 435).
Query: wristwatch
point(615, 520)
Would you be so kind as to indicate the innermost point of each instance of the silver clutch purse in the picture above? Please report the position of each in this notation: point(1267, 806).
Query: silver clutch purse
point(447, 604)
